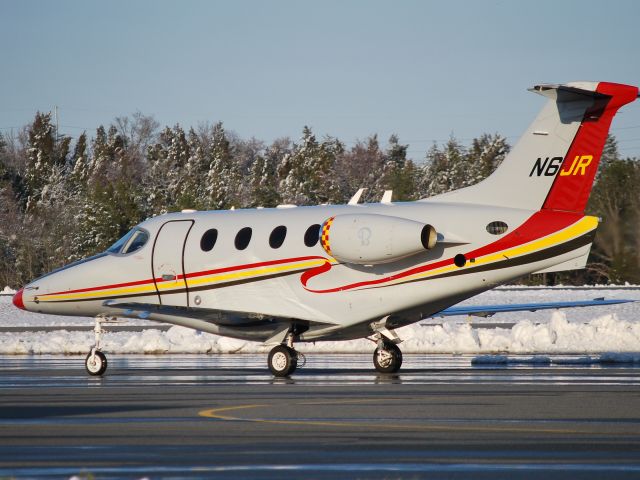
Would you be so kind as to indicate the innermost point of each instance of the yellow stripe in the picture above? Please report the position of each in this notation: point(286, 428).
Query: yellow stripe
point(254, 272)
point(192, 282)
point(585, 224)
point(579, 228)
point(97, 293)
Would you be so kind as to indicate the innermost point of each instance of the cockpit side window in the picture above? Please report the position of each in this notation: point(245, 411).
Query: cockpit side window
point(138, 240)
point(116, 247)
point(131, 242)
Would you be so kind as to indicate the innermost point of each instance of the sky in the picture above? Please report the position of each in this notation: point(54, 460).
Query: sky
point(424, 70)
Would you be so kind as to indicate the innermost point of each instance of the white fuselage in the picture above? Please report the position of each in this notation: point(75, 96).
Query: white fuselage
point(247, 293)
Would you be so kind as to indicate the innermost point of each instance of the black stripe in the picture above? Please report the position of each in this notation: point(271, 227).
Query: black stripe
point(182, 290)
point(513, 262)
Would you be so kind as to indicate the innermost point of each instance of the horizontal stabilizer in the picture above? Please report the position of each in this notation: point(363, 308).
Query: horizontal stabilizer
point(490, 310)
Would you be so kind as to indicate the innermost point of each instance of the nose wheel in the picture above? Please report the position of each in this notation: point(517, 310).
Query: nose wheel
point(96, 363)
point(387, 358)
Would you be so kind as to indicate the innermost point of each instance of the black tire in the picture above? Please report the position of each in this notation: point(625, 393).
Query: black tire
point(387, 359)
point(282, 361)
point(96, 366)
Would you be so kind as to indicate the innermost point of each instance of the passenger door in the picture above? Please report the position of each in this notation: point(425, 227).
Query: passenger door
point(167, 263)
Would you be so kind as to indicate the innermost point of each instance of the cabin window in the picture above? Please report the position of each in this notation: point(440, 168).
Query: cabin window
point(276, 239)
point(497, 228)
point(208, 240)
point(243, 238)
point(312, 235)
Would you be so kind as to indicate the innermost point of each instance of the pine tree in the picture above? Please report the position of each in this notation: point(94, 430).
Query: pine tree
point(80, 165)
point(4, 171)
point(307, 174)
point(46, 160)
point(444, 169)
point(616, 199)
point(168, 160)
point(263, 182)
point(398, 173)
point(194, 194)
point(362, 167)
point(485, 155)
point(224, 176)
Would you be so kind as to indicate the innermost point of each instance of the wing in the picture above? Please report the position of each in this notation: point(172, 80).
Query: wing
point(222, 318)
point(490, 310)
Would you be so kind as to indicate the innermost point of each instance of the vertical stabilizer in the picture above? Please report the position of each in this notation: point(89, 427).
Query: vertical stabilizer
point(554, 163)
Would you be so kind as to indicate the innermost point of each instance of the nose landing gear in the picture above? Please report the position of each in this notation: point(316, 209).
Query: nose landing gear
point(96, 361)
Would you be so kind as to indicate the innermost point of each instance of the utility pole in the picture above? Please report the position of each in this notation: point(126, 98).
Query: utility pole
point(55, 116)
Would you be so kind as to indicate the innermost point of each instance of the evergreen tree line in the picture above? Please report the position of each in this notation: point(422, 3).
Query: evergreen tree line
point(62, 199)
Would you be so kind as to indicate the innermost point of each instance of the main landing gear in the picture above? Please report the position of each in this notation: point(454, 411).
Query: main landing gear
point(387, 357)
point(96, 361)
point(283, 359)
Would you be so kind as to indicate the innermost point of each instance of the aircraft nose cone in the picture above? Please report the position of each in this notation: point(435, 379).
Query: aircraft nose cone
point(17, 299)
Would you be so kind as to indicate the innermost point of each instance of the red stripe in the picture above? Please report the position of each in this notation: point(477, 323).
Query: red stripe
point(103, 287)
point(571, 192)
point(539, 225)
point(250, 265)
point(190, 275)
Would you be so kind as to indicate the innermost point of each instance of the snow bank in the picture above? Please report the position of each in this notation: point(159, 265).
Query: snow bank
point(607, 333)
point(7, 291)
point(579, 331)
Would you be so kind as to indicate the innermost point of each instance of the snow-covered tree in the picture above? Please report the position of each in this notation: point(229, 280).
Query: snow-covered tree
point(362, 167)
point(46, 159)
point(224, 176)
point(485, 155)
point(398, 173)
point(168, 160)
point(307, 174)
point(453, 166)
point(81, 167)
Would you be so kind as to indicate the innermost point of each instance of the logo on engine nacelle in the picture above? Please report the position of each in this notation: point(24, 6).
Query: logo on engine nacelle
point(364, 234)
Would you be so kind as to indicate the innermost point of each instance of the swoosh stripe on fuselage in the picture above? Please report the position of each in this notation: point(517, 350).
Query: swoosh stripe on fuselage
point(496, 255)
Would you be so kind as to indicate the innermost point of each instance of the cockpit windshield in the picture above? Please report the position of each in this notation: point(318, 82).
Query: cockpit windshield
point(132, 241)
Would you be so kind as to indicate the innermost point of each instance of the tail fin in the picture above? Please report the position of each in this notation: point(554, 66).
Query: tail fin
point(554, 163)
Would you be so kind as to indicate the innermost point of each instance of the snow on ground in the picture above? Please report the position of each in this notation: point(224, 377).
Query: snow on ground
point(583, 331)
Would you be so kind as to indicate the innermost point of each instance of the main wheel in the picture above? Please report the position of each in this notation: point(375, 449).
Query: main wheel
point(96, 364)
point(387, 359)
point(282, 361)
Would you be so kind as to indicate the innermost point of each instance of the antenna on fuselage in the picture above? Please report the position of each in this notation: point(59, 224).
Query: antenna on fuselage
point(386, 197)
point(356, 197)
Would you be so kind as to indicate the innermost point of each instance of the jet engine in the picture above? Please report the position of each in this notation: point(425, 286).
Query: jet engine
point(370, 239)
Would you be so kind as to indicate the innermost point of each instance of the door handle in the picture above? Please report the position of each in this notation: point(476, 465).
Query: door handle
point(168, 276)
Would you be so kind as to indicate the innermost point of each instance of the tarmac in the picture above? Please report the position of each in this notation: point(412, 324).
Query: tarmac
point(225, 416)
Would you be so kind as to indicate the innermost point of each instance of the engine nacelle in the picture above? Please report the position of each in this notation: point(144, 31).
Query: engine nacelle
point(370, 239)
